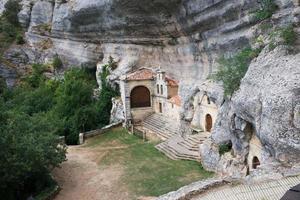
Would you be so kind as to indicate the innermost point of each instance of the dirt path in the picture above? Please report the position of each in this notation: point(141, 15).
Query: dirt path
point(81, 178)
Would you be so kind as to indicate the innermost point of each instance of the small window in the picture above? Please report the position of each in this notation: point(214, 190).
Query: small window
point(172, 105)
point(208, 100)
point(161, 89)
point(157, 88)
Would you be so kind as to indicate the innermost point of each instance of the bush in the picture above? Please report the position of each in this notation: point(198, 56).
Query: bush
point(57, 63)
point(224, 148)
point(288, 35)
point(233, 69)
point(20, 39)
point(267, 9)
point(11, 10)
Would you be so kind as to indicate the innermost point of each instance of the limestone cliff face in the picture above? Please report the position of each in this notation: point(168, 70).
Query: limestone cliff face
point(185, 38)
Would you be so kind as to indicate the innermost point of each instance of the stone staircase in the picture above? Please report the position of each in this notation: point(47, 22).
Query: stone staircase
point(163, 127)
point(181, 148)
point(174, 146)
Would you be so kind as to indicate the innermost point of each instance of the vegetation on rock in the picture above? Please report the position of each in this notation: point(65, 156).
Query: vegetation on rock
point(57, 62)
point(233, 69)
point(10, 29)
point(267, 9)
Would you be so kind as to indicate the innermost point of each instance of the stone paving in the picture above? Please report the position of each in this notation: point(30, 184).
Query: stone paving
point(271, 190)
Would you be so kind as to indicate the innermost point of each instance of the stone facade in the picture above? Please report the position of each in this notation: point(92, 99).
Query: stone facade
point(163, 95)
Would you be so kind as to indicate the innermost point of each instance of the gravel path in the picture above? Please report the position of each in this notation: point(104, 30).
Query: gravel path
point(81, 178)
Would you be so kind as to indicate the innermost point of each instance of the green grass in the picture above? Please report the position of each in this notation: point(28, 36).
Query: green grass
point(147, 172)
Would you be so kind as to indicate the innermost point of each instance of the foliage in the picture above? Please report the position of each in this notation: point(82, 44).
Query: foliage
point(20, 39)
point(147, 171)
point(224, 148)
point(9, 25)
point(288, 35)
point(57, 63)
point(267, 8)
point(233, 69)
point(28, 150)
point(112, 64)
point(33, 115)
point(11, 10)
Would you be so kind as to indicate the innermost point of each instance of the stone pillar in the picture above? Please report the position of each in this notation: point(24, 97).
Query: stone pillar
point(81, 138)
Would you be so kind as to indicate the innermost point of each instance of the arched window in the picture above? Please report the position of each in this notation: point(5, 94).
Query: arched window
point(161, 89)
point(157, 88)
point(140, 97)
point(255, 162)
point(208, 122)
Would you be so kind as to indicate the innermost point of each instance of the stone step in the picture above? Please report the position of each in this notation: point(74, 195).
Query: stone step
point(162, 148)
point(157, 129)
point(162, 135)
point(175, 154)
point(162, 126)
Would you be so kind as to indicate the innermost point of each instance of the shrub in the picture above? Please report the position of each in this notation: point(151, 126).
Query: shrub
point(288, 35)
point(224, 148)
point(233, 69)
point(12, 8)
point(20, 39)
point(57, 63)
point(267, 8)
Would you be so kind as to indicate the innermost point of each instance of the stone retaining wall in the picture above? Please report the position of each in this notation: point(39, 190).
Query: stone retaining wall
point(93, 133)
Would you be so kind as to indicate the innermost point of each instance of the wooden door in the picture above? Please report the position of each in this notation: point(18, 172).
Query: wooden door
point(208, 123)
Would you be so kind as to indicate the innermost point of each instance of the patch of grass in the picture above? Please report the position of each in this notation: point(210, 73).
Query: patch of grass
point(147, 171)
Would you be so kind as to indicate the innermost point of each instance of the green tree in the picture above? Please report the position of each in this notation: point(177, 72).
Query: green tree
point(28, 151)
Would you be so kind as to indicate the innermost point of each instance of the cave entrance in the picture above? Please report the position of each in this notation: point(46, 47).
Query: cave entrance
point(208, 123)
point(255, 162)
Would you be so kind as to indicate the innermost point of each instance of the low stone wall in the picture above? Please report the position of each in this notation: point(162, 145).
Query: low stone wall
point(187, 192)
point(93, 133)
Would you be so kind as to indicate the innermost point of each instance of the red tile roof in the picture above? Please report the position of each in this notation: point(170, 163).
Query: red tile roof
point(141, 74)
point(176, 100)
point(171, 82)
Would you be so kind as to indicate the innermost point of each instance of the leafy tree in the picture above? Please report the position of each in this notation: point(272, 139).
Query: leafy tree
point(28, 151)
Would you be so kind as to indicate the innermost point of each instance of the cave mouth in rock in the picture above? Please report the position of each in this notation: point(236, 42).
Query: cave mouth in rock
point(255, 162)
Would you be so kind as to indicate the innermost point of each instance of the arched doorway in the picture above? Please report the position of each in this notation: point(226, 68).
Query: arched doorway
point(208, 123)
point(140, 97)
point(255, 162)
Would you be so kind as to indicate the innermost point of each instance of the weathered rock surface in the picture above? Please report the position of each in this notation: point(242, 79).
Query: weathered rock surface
point(268, 101)
point(185, 37)
point(117, 111)
point(2, 4)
